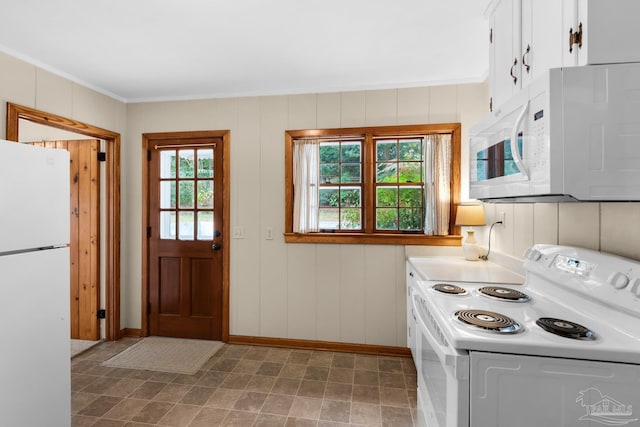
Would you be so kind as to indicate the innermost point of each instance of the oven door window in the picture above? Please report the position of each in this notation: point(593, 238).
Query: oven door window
point(443, 373)
point(497, 160)
point(434, 378)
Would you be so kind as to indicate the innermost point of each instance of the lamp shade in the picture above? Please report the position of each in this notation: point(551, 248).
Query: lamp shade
point(470, 215)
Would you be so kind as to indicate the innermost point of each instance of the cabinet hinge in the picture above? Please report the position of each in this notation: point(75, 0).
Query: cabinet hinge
point(575, 38)
point(148, 232)
point(102, 156)
point(491, 105)
point(490, 35)
point(148, 308)
point(148, 155)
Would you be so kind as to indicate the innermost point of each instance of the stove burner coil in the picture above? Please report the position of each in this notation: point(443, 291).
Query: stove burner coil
point(446, 288)
point(488, 320)
point(565, 328)
point(505, 294)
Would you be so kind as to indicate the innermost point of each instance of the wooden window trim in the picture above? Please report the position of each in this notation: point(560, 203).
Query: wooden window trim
point(453, 239)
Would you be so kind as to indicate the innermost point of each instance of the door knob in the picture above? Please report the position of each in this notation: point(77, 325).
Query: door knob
point(215, 247)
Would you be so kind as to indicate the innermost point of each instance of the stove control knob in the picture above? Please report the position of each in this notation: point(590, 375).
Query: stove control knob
point(619, 280)
point(533, 254)
point(635, 288)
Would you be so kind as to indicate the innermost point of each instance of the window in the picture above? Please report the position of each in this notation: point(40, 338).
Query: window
point(395, 184)
point(186, 194)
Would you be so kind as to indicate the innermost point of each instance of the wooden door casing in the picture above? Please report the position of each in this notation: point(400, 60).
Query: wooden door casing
point(84, 241)
point(185, 274)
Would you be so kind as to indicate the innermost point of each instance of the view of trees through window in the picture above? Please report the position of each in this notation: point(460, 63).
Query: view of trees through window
point(399, 184)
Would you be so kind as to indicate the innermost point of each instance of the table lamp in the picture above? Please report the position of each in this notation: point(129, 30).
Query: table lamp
point(469, 215)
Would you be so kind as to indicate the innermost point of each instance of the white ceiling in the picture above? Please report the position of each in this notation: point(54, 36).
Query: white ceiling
point(147, 50)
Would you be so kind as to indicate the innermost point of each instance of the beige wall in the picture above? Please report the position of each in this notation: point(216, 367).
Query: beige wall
point(349, 293)
point(27, 85)
point(346, 293)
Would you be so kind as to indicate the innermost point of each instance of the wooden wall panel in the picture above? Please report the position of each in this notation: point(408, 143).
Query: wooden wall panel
point(380, 296)
point(301, 291)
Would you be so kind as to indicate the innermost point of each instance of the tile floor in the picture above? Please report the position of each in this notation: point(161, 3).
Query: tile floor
point(246, 386)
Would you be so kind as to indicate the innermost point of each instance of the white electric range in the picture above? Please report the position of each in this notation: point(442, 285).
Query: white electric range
point(561, 350)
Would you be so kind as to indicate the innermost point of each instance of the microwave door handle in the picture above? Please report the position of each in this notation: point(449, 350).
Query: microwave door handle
point(446, 354)
point(514, 143)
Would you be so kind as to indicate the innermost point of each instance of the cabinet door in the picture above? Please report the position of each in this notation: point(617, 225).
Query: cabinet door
point(542, 32)
point(504, 77)
point(609, 31)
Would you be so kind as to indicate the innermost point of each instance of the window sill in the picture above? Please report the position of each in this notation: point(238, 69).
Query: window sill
point(373, 239)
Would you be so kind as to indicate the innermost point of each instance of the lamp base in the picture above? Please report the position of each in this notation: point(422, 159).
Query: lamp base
point(470, 247)
point(471, 251)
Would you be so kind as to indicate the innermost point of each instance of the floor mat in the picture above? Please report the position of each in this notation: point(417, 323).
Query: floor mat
point(177, 355)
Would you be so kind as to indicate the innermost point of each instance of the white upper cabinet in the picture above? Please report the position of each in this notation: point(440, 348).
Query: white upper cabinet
point(504, 35)
point(530, 36)
point(602, 31)
point(525, 41)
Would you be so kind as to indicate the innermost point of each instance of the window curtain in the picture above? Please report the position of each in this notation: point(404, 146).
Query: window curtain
point(306, 158)
point(437, 184)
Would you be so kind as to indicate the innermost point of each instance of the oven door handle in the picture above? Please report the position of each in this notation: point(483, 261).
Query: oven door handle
point(447, 355)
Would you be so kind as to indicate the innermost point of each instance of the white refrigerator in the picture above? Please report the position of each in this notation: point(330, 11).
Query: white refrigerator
point(34, 286)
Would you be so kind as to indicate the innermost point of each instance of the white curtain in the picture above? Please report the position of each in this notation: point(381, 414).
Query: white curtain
point(306, 158)
point(437, 184)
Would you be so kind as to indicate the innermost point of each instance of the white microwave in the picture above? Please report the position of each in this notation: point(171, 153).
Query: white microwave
point(573, 134)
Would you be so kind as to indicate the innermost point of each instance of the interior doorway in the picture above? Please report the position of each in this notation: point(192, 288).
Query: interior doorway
point(84, 241)
point(17, 114)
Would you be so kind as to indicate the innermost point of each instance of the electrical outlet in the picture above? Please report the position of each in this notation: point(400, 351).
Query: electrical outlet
point(501, 217)
point(268, 233)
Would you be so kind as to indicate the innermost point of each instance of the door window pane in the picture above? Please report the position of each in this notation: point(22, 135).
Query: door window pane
point(205, 163)
point(205, 225)
point(186, 194)
point(167, 194)
point(168, 164)
point(185, 225)
point(168, 225)
point(205, 194)
point(186, 163)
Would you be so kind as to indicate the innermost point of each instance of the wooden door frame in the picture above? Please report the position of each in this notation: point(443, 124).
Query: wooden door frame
point(148, 141)
point(16, 112)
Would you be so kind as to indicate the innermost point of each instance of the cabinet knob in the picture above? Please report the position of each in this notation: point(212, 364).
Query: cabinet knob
point(514, 77)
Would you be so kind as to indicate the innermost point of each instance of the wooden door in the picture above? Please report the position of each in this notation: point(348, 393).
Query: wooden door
point(84, 242)
point(185, 255)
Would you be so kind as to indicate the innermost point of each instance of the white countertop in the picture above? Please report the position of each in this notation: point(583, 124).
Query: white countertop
point(457, 269)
